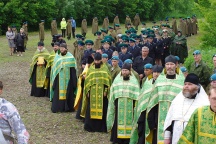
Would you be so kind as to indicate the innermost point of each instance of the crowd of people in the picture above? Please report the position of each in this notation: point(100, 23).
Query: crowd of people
point(134, 86)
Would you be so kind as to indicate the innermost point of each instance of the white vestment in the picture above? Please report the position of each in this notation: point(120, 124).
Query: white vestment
point(181, 110)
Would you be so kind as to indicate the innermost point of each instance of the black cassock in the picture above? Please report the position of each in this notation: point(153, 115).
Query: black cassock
point(68, 104)
point(35, 91)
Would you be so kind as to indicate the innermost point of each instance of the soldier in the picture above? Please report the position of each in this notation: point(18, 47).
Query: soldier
point(143, 26)
point(54, 29)
point(69, 29)
point(214, 63)
point(75, 44)
point(124, 54)
point(184, 71)
point(127, 21)
point(84, 27)
point(88, 52)
point(105, 61)
point(147, 72)
point(103, 33)
point(136, 21)
point(79, 55)
point(97, 42)
point(25, 27)
point(116, 21)
point(115, 70)
point(112, 33)
point(106, 48)
point(166, 45)
point(133, 49)
point(105, 23)
point(189, 26)
point(180, 46)
point(94, 25)
point(118, 29)
point(194, 25)
point(199, 68)
point(152, 46)
point(174, 25)
point(41, 31)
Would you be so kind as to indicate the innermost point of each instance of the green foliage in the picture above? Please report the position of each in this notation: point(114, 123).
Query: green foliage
point(208, 9)
point(18, 11)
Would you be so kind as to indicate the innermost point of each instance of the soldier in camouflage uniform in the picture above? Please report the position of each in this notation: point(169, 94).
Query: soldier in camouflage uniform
point(115, 70)
point(200, 69)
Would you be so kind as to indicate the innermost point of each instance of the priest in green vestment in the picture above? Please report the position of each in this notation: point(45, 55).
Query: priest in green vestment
point(63, 81)
point(38, 69)
point(95, 96)
point(123, 95)
point(201, 128)
point(153, 104)
point(50, 64)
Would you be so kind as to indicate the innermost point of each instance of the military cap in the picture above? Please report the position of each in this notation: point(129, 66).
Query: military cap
point(133, 36)
point(25, 22)
point(54, 18)
point(150, 31)
point(103, 30)
point(115, 58)
point(42, 20)
point(110, 27)
point(117, 25)
point(78, 36)
point(170, 58)
point(183, 69)
point(196, 52)
point(124, 36)
point(64, 45)
point(81, 43)
point(127, 32)
point(122, 45)
point(177, 58)
point(89, 42)
point(213, 77)
point(132, 30)
point(143, 23)
point(40, 44)
point(148, 66)
point(104, 55)
point(107, 41)
point(151, 36)
point(188, 17)
point(132, 40)
point(97, 56)
point(98, 33)
point(119, 35)
point(129, 61)
point(157, 68)
point(110, 38)
point(125, 39)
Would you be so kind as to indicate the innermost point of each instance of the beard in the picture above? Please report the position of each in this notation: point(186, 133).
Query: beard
point(170, 71)
point(190, 93)
point(126, 77)
point(97, 65)
point(63, 53)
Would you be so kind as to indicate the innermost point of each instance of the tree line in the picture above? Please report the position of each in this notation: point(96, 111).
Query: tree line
point(15, 12)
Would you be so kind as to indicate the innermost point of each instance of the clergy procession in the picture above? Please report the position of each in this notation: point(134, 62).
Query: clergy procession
point(131, 84)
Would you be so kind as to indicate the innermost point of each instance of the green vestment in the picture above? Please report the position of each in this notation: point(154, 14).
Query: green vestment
point(40, 70)
point(126, 92)
point(61, 66)
point(96, 79)
point(201, 128)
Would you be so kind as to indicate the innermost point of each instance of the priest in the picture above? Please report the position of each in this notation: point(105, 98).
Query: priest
point(123, 94)
point(95, 96)
point(38, 70)
point(190, 98)
point(63, 81)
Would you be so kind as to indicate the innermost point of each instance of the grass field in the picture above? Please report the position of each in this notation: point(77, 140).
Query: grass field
point(44, 126)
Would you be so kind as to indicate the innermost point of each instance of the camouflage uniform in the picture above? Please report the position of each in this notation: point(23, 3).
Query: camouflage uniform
point(202, 71)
